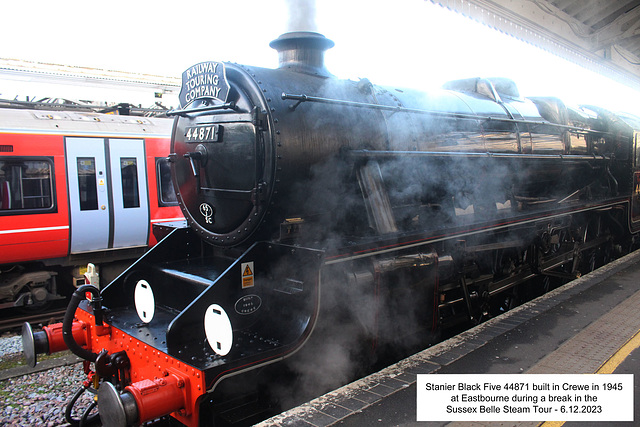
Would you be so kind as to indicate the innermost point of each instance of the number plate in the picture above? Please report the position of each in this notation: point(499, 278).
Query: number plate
point(207, 133)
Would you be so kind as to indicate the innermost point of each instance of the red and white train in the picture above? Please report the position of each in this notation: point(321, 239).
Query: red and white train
point(77, 187)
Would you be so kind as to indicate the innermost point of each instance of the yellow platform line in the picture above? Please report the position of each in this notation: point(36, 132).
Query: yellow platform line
point(608, 367)
point(619, 356)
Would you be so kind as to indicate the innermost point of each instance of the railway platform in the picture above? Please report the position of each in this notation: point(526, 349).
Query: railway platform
point(588, 326)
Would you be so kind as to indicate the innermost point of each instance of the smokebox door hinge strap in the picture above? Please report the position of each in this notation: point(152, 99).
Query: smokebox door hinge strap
point(257, 117)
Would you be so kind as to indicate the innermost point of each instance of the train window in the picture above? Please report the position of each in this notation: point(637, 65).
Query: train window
point(130, 189)
point(166, 194)
point(87, 184)
point(26, 184)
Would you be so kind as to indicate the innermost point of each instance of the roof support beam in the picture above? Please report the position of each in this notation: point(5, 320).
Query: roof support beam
point(542, 24)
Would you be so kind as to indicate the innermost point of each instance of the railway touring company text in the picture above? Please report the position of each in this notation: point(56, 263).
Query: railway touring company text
point(204, 80)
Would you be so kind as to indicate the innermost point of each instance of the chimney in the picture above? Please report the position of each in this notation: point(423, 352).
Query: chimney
point(303, 51)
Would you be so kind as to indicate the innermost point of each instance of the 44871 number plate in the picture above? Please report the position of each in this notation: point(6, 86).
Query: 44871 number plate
point(206, 133)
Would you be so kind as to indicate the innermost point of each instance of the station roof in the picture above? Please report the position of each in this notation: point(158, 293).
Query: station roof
point(601, 35)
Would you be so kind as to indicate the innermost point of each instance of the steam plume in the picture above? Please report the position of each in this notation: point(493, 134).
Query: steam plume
point(302, 15)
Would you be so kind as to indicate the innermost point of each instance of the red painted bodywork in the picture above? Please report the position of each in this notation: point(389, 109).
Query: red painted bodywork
point(33, 237)
point(28, 237)
point(160, 383)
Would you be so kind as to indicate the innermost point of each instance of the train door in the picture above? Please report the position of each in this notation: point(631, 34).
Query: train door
point(129, 188)
point(108, 200)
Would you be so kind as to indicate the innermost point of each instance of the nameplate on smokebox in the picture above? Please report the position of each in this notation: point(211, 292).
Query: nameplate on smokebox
point(204, 80)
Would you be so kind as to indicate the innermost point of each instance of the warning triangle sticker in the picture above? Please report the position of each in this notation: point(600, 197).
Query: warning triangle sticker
point(247, 272)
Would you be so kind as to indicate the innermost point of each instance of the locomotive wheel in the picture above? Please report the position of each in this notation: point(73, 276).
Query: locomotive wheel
point(509, 301)
point(546, 284)
point(600, 255)
point(594, 260)
point(38, 298)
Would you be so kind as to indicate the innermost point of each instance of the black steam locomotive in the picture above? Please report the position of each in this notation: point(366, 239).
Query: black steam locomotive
point(333, 224)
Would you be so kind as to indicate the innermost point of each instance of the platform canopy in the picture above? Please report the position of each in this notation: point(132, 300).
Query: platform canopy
point(601, 35)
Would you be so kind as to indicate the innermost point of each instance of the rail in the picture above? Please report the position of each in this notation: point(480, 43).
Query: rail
point(45, 317)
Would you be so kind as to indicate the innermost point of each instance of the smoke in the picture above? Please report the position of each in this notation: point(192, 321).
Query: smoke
point(302, 15)
point(371, 312)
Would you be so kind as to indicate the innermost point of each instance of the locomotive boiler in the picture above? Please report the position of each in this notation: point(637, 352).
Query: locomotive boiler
point(334, 225)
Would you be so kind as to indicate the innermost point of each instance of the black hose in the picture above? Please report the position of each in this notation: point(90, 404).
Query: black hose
point(67, 323)
point(85, 420)
point(70, 405)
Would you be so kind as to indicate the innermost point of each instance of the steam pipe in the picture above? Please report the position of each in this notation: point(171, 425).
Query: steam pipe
point(300, 98)
point(467, 154)
point(67, 323)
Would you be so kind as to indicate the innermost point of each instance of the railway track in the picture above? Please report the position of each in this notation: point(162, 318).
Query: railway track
point(15, 322)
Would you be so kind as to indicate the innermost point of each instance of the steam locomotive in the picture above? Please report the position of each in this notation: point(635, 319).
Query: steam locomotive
point(76, 186)
point(335, 224)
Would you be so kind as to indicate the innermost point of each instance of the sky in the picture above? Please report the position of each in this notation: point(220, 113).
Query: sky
point(401, 43)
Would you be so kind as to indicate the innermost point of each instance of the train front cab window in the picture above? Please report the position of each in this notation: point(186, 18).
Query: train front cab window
point(166, 193)
point(26, 185)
